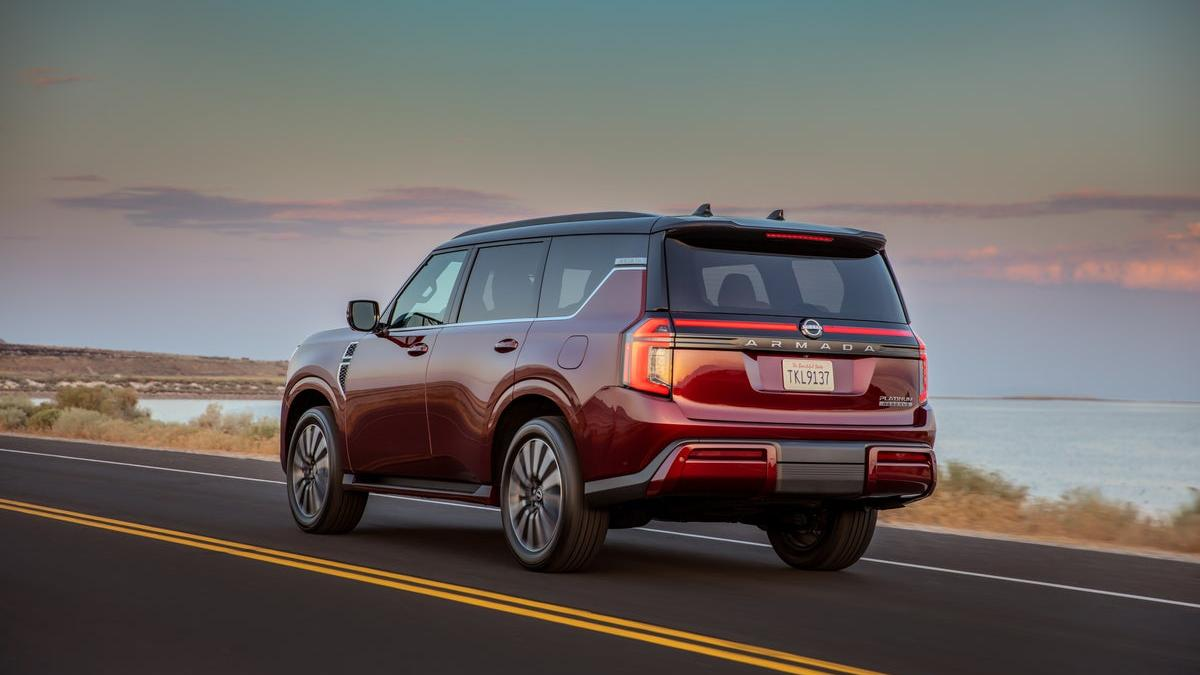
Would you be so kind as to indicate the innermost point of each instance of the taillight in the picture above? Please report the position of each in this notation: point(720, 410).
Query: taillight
point(648, 356)
point(924, 394)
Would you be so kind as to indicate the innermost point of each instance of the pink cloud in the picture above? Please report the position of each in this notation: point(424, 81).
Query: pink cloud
point(80, 178)
point(41, 76)
point(1165, 261)
point(384, 211)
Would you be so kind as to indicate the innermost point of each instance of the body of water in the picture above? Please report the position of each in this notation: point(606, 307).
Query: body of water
point(187, 409)
point(1144, 453)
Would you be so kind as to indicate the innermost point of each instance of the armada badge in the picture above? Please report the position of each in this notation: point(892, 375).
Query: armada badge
point(811, 328)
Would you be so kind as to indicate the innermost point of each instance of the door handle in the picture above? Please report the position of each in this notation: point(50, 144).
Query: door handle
point(506, 345)
point(418, 349)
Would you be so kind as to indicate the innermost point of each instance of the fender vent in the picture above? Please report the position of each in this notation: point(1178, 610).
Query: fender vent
point(344, 368)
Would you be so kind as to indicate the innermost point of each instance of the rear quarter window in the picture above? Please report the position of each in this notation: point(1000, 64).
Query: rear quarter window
point(800, 282)
point(578, 264)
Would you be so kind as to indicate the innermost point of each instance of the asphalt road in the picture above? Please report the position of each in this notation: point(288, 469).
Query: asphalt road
point(426, 587)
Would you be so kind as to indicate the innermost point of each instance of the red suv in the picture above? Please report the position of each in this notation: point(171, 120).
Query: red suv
point(600, 370)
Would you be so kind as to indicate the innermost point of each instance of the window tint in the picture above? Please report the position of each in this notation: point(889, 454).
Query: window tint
point(577, 265)
point(504, 283)
point(426, 299)
point(724, 281)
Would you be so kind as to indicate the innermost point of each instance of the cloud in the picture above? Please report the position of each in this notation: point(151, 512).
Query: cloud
point(81, 178)
point(45, 77)
point(1152, 206)
point(1165, 261)
point(384, 211)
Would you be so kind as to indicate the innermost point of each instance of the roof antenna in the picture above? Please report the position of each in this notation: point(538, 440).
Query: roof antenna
point(777, 214)
point(704, 209)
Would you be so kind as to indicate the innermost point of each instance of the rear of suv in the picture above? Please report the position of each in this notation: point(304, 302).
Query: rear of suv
point(602, 370)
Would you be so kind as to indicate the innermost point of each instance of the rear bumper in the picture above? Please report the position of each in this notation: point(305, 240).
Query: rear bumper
point(888, 473)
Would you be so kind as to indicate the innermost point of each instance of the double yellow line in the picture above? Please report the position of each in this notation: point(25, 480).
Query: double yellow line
point(695, 643)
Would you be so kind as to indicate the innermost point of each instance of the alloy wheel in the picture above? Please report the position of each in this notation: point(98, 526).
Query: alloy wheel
point(535, 495)
point(310, 471)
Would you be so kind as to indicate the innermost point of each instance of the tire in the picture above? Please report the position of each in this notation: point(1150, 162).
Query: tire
point(828, 540)
point(541, 474)
point(319, 503)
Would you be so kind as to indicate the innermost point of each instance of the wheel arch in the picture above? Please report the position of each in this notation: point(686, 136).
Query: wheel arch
point(303, 395)
point(527, 400)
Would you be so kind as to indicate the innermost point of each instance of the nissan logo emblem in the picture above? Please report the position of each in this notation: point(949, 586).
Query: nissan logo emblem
point(811, 328)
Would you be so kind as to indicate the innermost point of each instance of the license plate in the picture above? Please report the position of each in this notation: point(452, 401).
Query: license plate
point(807, 375)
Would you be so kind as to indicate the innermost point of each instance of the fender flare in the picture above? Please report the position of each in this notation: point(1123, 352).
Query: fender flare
point(560, 396)
point(309, 382)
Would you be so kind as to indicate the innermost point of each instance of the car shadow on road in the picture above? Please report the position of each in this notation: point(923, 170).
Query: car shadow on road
point(625, 552)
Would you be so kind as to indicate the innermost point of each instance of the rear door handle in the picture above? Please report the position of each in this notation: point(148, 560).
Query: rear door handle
point(506, 345)
point(418, 349)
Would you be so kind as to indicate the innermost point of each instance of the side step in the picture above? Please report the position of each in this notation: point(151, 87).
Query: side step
point(420, 487)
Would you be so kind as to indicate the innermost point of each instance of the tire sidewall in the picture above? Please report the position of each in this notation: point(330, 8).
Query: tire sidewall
point(834, 550)
point(322, 417)
point(554, 432)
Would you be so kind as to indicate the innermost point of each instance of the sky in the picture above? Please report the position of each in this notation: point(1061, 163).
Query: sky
point(219, 178)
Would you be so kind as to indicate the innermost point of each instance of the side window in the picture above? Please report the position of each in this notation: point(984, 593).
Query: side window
point(504, 283)
point(576, 266)
point(426, 299)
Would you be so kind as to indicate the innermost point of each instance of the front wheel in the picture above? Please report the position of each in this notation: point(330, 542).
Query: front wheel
point(824, 540)
point(546, 520)
point(320, 504)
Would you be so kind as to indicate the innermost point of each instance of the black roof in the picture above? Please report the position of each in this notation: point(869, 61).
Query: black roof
point(629, 222)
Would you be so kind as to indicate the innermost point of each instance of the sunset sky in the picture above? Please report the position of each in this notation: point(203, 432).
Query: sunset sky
point(219, 178)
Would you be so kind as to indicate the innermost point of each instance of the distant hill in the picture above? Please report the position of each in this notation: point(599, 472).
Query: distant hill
point(39, 369)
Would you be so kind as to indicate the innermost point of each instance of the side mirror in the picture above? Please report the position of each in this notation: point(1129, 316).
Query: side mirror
point(363, 315)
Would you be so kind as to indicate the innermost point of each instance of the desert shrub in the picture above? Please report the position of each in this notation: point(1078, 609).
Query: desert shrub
point(12, 418)
point(112, 401)
point(964, 478)
point(236, 424)
point(43, 418)
point(1189, 514)
point(78, 422)
point(18, 402)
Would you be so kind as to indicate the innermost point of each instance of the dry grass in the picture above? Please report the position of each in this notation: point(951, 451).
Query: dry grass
point(109, 414)
point(971, 499)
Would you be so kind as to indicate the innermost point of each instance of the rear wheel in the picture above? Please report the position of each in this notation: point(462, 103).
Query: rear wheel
point(546, 520)
point(824, 540)
point(319, 503)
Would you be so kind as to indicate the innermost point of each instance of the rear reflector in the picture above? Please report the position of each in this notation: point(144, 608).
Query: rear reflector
point(716, 469)
point(904, 472)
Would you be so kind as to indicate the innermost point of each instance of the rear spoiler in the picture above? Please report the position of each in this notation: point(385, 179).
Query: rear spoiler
point(773, 228)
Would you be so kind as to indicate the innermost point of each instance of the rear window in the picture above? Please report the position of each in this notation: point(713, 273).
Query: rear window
point(798, 284)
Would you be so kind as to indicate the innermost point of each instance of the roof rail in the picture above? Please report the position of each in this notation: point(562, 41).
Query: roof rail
point(565, 218)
